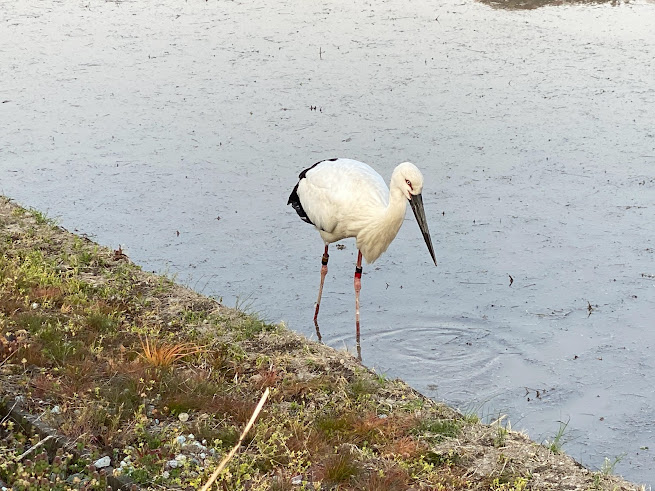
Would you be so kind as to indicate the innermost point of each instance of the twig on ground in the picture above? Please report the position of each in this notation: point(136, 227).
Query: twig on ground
point(238, 444)
point(33, 447)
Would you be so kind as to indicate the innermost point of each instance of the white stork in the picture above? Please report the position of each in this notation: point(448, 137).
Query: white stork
point(346, 198)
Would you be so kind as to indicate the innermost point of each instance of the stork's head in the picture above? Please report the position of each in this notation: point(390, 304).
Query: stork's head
point(409, 179)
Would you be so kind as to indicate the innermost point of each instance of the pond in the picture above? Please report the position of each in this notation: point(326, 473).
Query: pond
point(178, 130)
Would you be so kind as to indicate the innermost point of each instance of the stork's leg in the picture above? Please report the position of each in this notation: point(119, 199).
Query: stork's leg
point(324, 270)
point(358, 287)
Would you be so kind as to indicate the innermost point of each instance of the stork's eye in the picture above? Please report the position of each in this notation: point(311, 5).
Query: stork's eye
point(409, 184)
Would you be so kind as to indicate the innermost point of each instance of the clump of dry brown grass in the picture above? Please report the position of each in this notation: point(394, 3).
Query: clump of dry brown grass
point(340, 468)
point(162, 355)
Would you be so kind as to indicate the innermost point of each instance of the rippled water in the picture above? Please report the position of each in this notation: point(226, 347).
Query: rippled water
point(535, 130)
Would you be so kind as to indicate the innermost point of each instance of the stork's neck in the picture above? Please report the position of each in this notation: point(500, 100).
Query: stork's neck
point(374, 239)
point(395, 211)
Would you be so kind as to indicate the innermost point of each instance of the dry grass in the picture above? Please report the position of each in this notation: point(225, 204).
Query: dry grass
point(161, 354)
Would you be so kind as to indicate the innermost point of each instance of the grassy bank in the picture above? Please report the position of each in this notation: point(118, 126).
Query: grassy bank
point(121, 364)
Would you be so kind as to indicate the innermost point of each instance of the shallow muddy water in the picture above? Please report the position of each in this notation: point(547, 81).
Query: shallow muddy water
point(535, 130)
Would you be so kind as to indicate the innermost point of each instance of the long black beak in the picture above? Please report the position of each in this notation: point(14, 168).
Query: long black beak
point(417, 207)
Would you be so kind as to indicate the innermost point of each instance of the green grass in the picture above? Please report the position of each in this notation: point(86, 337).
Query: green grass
point(437, 430)
point(555, 445)
point(363, 386)
point(609, 466)
point(41, 218)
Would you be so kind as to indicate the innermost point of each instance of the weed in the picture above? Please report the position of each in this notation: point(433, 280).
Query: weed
point(509, 484)
point(381, 378)
point(226, 437)
point(299, 390)
point(123, 393)
point(363, 386)
point(389, 478)
point(340, 467)
point(41, 218)
point(251, 326)
point(34, 323)
point(18, 212)
point(596, 483)
point(555, 445)
point(470, 415)
point(609, 466)
point(163, 355)
point(436, 430)
point(501, 431)
point(101, 323)
point(331, 424)
point(413, 405)
point(447, 459)
point(61, 350)
point(406, 447)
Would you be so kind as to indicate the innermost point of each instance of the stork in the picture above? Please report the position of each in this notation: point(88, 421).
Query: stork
point(345, 198)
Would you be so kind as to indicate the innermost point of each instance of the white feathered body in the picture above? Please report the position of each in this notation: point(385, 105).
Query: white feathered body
point(346, 198)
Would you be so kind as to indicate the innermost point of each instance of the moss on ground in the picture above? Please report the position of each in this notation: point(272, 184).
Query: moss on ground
point(129, 365)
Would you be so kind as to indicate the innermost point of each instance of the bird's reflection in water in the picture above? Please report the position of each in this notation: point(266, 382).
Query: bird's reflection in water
point(318, 331)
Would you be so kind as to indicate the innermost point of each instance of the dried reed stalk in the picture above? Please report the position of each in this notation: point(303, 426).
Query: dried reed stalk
point(226, 459)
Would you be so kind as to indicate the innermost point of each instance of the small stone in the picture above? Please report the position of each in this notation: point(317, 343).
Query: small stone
point(202, 455)
point(35, 305)
point(180, 458)
point(55, 410)
point(180, 440)
point(165, 474)
point(102, 462)
point(296, 480)
point(191, 436)
point(184, 417)
point(172, 464)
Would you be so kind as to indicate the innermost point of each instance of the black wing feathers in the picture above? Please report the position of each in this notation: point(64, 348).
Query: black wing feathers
point(294, 200)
